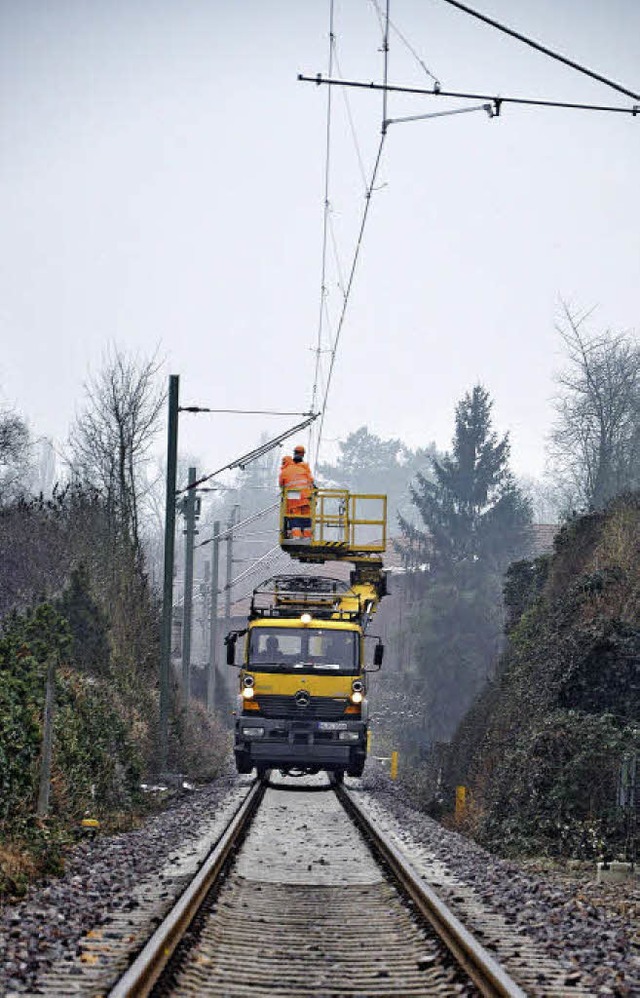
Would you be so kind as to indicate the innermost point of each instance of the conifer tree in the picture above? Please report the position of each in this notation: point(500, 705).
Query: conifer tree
point(88, 625)
point(475, 523)
point(472, 509)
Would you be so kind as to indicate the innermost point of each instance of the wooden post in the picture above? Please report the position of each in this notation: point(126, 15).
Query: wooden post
point(47, 740)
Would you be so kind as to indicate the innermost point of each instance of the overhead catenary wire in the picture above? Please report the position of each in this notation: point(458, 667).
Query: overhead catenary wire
point(352, 128)
point(252, 455)
point(347, 293)
point(249, 571)
point(543, 48)
point(356, 255)
point(241, 412)
point(325, 222)
point(328, 228)
point(404, 41)
point(242, 523)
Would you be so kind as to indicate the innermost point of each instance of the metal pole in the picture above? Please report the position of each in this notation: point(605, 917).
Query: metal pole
point(167, 591)
point(189, 509)
point(47, 740)
point(213, 620)
point(229, 568)
point(385, 49)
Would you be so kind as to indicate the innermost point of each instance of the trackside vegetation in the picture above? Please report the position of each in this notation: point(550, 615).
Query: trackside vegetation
point(99, 626)
point(79, 619)
point(543, 749)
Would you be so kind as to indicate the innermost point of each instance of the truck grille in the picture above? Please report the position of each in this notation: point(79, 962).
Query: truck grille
point(319, 708)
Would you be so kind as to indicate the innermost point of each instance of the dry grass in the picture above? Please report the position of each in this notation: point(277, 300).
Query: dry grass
point(619, 549)
point(619, 544)
point(18, 868)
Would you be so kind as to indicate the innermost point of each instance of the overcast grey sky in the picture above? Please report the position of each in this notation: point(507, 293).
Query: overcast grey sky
point(161, 185)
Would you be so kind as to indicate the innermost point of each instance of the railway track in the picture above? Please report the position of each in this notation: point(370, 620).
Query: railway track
point(304, 895)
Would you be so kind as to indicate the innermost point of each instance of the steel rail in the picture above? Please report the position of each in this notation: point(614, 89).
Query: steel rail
point(482, 968)
point(143, 973)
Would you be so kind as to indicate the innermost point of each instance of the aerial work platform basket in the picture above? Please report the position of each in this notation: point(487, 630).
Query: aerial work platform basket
point(338, 525)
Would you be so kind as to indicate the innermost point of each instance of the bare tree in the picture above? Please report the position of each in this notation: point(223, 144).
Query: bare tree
point(15, 456)
point(595, 440)
point(110, 439)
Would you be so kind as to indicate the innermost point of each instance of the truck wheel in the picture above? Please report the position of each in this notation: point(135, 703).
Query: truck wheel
point(262, 773)
point(336, 777)
point(356, 770)
point(243, 765)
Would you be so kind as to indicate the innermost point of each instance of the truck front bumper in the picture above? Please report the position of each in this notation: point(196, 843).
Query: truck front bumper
point(328, 745)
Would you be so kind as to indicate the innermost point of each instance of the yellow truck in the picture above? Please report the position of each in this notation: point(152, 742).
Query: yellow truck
point(302, 699)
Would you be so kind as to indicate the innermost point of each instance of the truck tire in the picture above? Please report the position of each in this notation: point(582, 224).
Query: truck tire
point(356, 769)
point(243, 763)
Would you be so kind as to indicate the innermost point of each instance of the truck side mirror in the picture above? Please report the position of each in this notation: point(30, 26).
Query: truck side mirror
point(230, 642)
point(378, 654)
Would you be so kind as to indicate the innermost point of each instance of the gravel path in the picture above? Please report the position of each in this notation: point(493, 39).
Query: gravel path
point(592, 929)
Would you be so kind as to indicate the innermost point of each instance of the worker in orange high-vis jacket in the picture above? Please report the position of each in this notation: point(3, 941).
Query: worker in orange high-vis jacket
point(296, 478)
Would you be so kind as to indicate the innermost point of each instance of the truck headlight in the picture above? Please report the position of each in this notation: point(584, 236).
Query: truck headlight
point(247, 692)
point(357, 697)
point(252, 732)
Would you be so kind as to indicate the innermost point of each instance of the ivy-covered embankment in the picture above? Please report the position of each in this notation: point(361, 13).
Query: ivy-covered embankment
point(104, 733)
point(541, 751)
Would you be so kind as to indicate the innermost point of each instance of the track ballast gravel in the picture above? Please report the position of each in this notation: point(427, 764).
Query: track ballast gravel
point(71, 935)
point(591, 930)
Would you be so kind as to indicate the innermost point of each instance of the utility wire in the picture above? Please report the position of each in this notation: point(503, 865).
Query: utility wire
point(251, 569)
point(404, 40)
point(352, 128)
point(277, 563)
point(242, 523)
point(253, 455)
point(244, 412)
point(542, 48)
point(347, 293)
point(336, 257)
point(325, 223)
point(356, 255)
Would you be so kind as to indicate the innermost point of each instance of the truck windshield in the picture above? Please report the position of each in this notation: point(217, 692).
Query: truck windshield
point(304, 649)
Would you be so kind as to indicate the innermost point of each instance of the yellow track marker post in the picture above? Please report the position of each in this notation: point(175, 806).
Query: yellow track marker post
point(394, 766)
point(461, 802)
